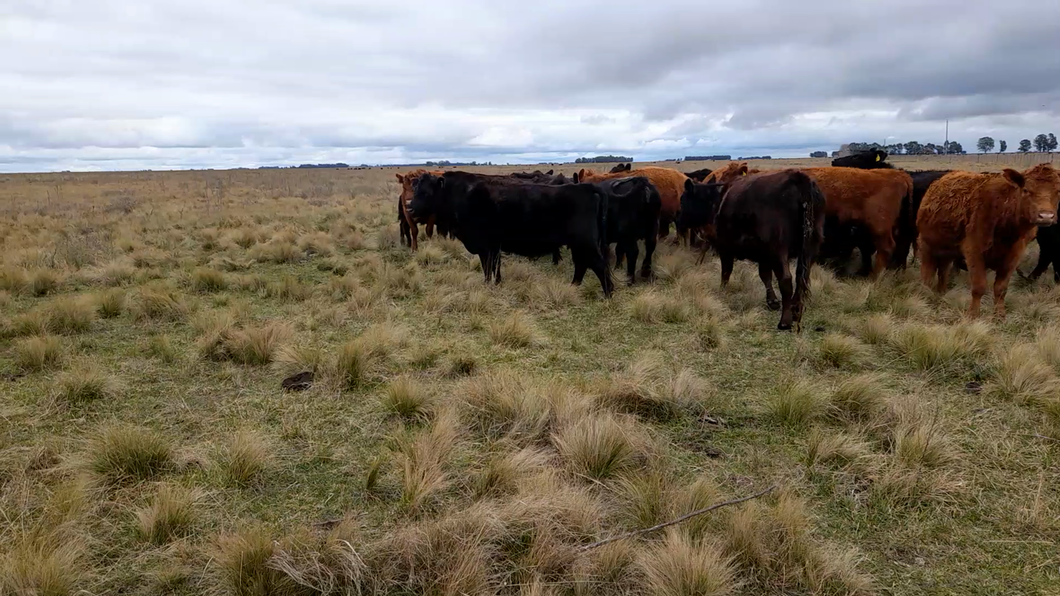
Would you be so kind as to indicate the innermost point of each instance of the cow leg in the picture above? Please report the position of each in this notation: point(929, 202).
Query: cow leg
point(497, 267)
point(556, 258)
point(884, 244)
point(977, 274)
point(406, 236)
point(726, 269)
point(1041, 267)
point(487, 265)
point(649, 250)
point(765, 272)
point(943, 267)
point(664, 225)
point(928, 267)
point(599, 266)
point(867, 248)
point(580, 266)
point(429, 229)
point(783, 271)
point(415, 229)
point(631, 261)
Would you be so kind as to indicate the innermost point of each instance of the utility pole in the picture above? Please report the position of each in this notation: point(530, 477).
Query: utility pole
point(947, 145)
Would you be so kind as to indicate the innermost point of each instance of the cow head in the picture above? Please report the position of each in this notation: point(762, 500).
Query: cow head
point(622, 167)
point(583, 175)
point(426, 196)
point(699, 203)
point(1039, 192)
point(732, 172)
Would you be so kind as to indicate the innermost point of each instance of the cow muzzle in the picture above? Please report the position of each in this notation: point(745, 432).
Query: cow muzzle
point(1046, 218)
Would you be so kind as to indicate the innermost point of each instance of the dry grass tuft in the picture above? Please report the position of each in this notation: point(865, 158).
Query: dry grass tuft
point(938, 347)
point(425, 455)
point(796, 403)
point(42, 563)
point(841, 351)
point(206, 280)
point(517, 330)
point(323, 563)
point(876, 329)
point(501, 404)
point(86, 384)
point(1023, 376)
point(407, 399)
point(242, 560)
point(645, 498)
point(503, 473)
point(841, 448)
point(647, 389)
point(13, 280)
point(111, 303)
point(600, 446)
point(711, 333)
point(246, 458)
point(70, 315)
point(295, 359)
point(170, 515)
point(680, 566)
point(159, 305)
point(122, 452)
point(858, 398)
point(38, 353)
point(353, 365)
point(161, 347)
point(41, 282)
point(655, 307)
point(255, 346)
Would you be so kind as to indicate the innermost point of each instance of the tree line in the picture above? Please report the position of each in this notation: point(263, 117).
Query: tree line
point(604, 159)
point(1043, 143)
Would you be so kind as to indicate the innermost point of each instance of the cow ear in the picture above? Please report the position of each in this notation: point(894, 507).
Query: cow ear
point(548, 173)
point(399, 177)
point(629, 167)
point(575, 177)
point(743, 169)
point(689, 185)
point(1014, 177)
point(441, 182)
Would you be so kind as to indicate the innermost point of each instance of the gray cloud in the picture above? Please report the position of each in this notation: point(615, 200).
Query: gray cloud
point(105, 83)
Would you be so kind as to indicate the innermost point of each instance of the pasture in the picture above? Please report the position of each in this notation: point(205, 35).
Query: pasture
point(464, 438)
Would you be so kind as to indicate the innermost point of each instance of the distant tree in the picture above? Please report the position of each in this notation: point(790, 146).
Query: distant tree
point(819, 154)
point(985, 144)
point(1041, 143)
point(1025, 146)
point(1002, 146)
point(913, 148)
point(895, 149)
point(1051, 143)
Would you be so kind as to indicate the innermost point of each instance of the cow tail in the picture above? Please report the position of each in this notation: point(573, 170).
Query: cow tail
point(907, 232)
point(810, 200)
point(601, 219)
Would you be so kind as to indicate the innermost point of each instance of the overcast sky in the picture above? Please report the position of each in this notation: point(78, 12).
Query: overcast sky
point(122, 84)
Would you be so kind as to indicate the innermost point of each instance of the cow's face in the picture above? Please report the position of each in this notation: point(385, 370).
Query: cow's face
point(1040, 192)
point(699, 204)
point(426, 195)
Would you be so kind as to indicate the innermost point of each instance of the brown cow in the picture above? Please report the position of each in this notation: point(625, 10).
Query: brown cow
point(988, 219)
point(669, 183)
point(870, 199)
point(730, 172)
point(409, 229)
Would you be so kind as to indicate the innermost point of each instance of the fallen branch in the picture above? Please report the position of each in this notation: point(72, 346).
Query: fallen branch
point(678, 520)
point(1037, 436)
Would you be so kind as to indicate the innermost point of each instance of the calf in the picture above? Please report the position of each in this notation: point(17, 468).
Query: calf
point(670, 184)
point(633, 206)
point(987, 219)
point(492, 214)
point(410, 232)
point(767, 218)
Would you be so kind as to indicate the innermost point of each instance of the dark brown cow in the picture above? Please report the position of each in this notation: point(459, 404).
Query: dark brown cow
point(410, 232)
point(987, 219)
point(766, 218)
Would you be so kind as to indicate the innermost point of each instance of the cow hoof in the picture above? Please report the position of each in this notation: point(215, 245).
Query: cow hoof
point(773, 304)
point(630, 283)
point(782, 326)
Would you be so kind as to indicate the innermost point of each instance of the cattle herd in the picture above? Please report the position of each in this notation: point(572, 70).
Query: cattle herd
point(946, 218)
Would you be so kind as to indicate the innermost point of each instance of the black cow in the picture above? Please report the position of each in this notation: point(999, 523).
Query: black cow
point(535, 176)
point(490, 214)
point(699, 175)
point(871, 159)
point(622, 167)
point(767, 218)
point(1048, 252)
point(633, 206)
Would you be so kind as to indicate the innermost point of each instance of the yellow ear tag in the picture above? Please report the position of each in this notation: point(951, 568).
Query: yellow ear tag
point(877, 158)
point(743, 173)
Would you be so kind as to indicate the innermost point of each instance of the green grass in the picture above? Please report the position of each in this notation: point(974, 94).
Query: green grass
point(460, 437)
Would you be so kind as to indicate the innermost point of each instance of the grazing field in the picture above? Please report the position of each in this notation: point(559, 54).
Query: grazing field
point(460, 438)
